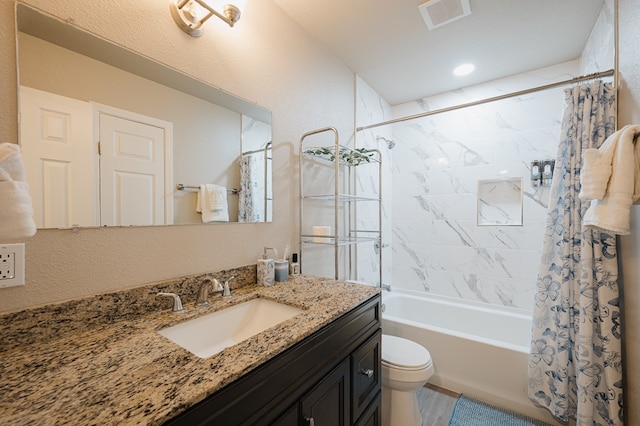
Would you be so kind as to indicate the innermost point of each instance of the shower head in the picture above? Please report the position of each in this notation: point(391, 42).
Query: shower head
point(390, 143)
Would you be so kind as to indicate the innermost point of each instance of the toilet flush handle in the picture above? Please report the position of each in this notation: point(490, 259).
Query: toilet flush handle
point(367, 372)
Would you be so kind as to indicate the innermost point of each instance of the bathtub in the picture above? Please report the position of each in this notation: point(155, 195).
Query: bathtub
point(477, 349)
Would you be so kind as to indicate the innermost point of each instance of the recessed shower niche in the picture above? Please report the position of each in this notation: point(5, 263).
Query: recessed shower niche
point(499, 202)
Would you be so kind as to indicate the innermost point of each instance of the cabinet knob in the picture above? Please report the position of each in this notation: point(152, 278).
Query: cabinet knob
point(367, 372)
point(310, 421)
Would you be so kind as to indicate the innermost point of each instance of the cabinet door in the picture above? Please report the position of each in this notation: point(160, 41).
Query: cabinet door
point(327, 403)
point(289, 418)
point(372, 417)
point(366, 373)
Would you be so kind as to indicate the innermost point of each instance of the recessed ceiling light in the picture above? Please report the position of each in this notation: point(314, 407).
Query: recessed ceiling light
point(464, 69)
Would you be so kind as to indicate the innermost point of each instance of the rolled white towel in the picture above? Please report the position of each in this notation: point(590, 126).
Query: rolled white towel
point(16, 213)
point(16, 210)
point(595, 174)
point(11, 162)
point(612, 212)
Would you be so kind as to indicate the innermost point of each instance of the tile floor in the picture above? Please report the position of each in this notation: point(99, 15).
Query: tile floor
point(436, 405)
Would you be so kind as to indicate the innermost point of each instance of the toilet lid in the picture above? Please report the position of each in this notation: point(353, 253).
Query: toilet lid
point(405, 354)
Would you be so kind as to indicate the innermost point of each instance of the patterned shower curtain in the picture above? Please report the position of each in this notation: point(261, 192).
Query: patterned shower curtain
point(252, 196)
point(575, 366)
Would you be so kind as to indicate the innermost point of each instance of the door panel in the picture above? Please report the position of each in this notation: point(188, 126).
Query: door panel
point(59, 158)
point(132, 172)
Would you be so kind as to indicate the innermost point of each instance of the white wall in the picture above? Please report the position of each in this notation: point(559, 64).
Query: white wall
point(265, 58)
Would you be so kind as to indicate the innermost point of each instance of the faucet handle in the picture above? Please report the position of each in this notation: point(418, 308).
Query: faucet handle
point(226, 292)
point(216, 285)
point(177, 303)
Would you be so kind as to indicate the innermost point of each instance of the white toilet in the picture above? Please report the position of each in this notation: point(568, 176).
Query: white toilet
point(406, 366)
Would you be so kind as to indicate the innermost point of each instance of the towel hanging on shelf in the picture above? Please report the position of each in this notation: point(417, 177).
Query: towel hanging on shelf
point(16, 211)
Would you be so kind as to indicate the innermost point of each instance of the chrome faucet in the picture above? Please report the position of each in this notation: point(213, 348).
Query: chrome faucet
point(177, 303)
point(216, 287)
point(203, 291)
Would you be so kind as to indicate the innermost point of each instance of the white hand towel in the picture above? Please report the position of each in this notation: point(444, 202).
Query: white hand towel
point(211, 204)
point(16, 210)
point(613, 210)
point(217, 197)
point(596, 170)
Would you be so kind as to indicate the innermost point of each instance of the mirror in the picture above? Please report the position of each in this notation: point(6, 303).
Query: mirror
point(112, 138)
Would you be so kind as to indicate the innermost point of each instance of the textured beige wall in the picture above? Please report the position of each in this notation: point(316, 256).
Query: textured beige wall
point(267, 59)
point(629, 113)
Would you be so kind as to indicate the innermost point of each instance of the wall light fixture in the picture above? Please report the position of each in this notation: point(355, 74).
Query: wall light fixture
point(190, 15)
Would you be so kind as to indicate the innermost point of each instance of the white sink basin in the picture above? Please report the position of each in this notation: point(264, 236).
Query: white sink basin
point(210, 334)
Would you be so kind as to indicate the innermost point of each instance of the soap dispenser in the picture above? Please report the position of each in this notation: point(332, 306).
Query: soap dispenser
point(266, 268)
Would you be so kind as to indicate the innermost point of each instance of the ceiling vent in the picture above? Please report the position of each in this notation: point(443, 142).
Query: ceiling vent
point(437, 13)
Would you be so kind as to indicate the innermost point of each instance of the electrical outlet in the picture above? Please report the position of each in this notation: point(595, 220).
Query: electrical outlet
point(11, 265)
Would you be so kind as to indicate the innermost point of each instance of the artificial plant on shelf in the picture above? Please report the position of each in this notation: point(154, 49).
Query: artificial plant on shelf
point(352, 157)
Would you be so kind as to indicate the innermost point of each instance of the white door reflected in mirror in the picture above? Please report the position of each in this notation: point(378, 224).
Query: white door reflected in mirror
point(72, 181)
point(132, 172)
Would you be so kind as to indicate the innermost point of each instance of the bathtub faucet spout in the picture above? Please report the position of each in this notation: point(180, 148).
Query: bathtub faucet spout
point(385, 287)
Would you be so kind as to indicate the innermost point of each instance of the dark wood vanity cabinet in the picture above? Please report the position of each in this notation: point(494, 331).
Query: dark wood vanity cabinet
point(331, 378)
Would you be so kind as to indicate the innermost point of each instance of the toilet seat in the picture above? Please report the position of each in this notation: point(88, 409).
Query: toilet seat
point(404, 354)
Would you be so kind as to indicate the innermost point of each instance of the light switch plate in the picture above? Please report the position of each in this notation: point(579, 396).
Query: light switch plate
point(11, 265)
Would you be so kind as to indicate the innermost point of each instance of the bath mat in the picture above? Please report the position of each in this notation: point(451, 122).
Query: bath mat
point(469, 412)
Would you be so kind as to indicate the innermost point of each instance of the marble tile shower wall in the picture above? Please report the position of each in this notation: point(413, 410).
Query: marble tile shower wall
point(437, 245)
point(598, 53)
point(432, 243)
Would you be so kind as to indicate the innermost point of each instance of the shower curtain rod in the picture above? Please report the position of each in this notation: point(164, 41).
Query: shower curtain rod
point(593, 76)
point(267, 146)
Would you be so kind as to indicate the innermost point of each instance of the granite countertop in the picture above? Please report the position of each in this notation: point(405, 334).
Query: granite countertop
point(116, 369)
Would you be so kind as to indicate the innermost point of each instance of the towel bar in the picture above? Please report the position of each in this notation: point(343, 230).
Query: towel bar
point(182, 187)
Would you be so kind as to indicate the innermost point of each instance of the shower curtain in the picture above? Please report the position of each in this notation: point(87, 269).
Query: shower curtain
point(575, 367)
point(251, 197)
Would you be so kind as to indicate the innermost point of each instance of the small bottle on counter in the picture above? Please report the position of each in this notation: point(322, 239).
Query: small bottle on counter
point(295, 266)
